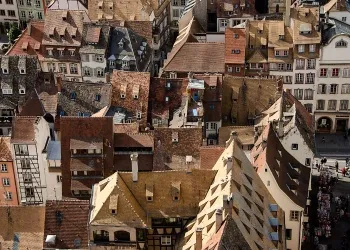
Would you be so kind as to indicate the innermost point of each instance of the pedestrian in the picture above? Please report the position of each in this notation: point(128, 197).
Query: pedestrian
point(336, 166)
point(323, 139)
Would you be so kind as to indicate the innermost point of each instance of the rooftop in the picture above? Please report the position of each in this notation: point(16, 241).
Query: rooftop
point(95, 38)
point(245, 134)
point(23, 129)
point(235, 40)
point(5, 151)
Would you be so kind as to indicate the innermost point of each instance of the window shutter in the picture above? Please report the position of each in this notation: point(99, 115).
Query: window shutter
point(328, 89)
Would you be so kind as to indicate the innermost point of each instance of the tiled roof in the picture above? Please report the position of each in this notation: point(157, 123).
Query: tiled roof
point(23, 129)
point(95, 38)
point(86, 164)
point(209, 156)
point(258, 33)
point(48, 93)
point(19, 230)
point(33, 106)
point(83, 184)
point(70, 228)
point(126, 128)
point(245, 134)
point(130, 140)
point(122, 161)
point(283, 166)
point(198, 58)
point(141, 28)
point(131, 83)
point(171, 154)
point(32, 38)
point(246, 98)
point(63, 28)
point(5, 152)
point(81, 97)
point(240, 8)
point(257, 56)
point(235, 40)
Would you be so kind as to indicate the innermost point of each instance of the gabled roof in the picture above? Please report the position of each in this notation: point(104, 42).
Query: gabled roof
point(70, 228)
point(257, 57)
point(95, 38)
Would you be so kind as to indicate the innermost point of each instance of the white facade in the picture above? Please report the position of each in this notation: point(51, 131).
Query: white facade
point(93, 66)
point(35, 182)
point(30, 9)
point(333, 86)
point(223, 23)
point(176, 9)
point(71, 70)
point(8, 14)
point(343, 16)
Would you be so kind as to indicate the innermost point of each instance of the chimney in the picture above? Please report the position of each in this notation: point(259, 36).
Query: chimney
point(29, 28)
point(108, 77)
point(134, 166)
point(218, 218)
point(287, 14)
point(198, 245)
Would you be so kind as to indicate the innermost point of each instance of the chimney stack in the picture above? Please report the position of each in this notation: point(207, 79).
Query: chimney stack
point(29, 28)
point(198, 245)
point(218, 218)
point(287, 14)
point(134, 166)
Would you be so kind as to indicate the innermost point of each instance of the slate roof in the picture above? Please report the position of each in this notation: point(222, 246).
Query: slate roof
point(72, 230)
point(5, 152)
point(20, 231)
point(85, 100)
point(131, 140)
point(95, 38)
point(198, 58)
point(23, 129)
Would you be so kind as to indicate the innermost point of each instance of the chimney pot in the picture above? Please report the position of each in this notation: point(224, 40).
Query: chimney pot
point(134, 167)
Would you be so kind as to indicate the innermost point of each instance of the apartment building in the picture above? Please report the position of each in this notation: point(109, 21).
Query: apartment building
point(37, 180)
point(8, 15)
point(8, 187)
point(337, 9)
point(30, 10)
point(235, 50)
point(332, 81)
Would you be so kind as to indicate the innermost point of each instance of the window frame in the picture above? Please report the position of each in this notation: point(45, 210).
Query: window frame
point(166, 240)
point(294, 215)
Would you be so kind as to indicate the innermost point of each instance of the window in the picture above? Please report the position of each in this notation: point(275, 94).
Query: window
point(298, 93)
point(288, 234)
point(4, 167)
point(125, 63)
point(175, 2)
point(21, 149)
point(37, 3)
point(63, 68)
point(334, 89)
point(307, 161)
point(320, 104)
point(238, 69)
point(308, 107)
point(299, 78)
point(294, 215)
point(344, 104)
point(289, 66)
point(25, 163)
point(335, 72)
point(287, 79)
point(29, 2)
point(49, 52)
point(332, 104)
point(253, 66)
point(30, 14)
point(29, 192)
point(6, 181)
point(223, 23)
point(165, 240)
point(183, 2)
point(9, 1)
point(99, 58)
point(341, 44)
point(72, 52)
point(11, 13)
point(294, 146)
point(343, 19)
point(301, 48)
point(300, 64)
point(8, 195)
point(280, 66)
point(22, 91)
point(308, 94)
point(346, 72)
point(138, 115)
point(322, 88)
point(59, 178)
point(176, 13)
point(229, 69)
point(27, 177)
point(7, 91)
point(323, 72)
point(87, 72)
point(100, 73)
point(312, 48)
point(61, 52)
point(51, 67)
point(281, 37)
point(172, 75)
point(281, 53)
point(21, 2)
point(2, 13)
point(311, 63)
point(310, 78)
point(74, 68)
point(236, 36)
point(268, 183)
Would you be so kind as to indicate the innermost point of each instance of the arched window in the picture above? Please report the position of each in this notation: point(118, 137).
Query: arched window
point(122, 236)
point(341, 44)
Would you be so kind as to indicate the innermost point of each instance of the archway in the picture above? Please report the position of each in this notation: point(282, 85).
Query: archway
point(122, 236)
point(324, 124)
point(277, 8)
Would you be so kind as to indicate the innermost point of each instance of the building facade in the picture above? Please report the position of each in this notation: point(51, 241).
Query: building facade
point(8, 15)
point(30, 10)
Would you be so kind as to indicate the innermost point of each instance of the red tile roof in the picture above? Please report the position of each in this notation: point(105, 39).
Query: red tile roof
point(93, 34)
point(72, 229)
point(5, 153)
point(209, 156)
point(235, 39)
point(33, 39)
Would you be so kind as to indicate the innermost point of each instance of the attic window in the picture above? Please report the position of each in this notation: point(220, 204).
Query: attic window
point(168, 85)
point(113, 204)
point(281, 37)
point(260, 31)
point(175, 137)
point(175, 190)
point(139, 115)
point(74, 32)
point(73, 96)
point(236, 51)
point(135, 91)
point(110, 6)
point(22, 91)
point(100, 4)
point(64, 15)
point(24, 46)
point(149, 192)
point(37, 46)
point(5, 71)
point(22, 71)
point(97, 97)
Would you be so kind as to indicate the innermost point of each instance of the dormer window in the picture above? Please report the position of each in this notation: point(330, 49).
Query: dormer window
point(260, 31)
point(135, 91)
point(25, 46)
point(64, 15)
point(175, 137)
point(122, 96)
point(175, 190)
point(111, 63)
point(61, 52)
point(281, 37)
point(73, 96)
point(111, 6)
point(22, 71)
point(5, 71)
point(149, 192)
point(72, 52)
point(97, 97)
point(173, 75)
point(22, 91)
point(341, 44)
point(138, 115)
point(100, 5)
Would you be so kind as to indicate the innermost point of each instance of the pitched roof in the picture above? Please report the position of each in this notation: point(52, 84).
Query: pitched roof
point(68, 221)
point(67, 5)
point(48, 93)
point(23, 129)
point(245, 134)
point(291, 176)
point(133, 203)
point(5, 152)
point(95, 38)
point(20, 231)
point(235, 40)
point(209, 155)
point(257, 56)
point(32, 36)
point(198, 58)
point(33, 106)
point(131, 140)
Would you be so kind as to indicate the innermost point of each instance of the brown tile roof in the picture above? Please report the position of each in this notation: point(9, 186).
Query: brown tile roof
point(128, 82)
point(283, 166)
point(122, 161)
point(198, 58)
point(87, 129)
point(256, 56)
point(126, 128)
point(72, 229)
point(5, 152)
point(48, 94)
point(86, 143)
point(224, 6)
point(258, 33)
point(22, 227)
point(93, 34)
point(235, 39)
point(33, 40)
point(209, 156)
point(23, 129)
point(141, 28)
point(245, 134)
point(83, 184)
point(86, 164)
point(170, 154)
point(246, 98)
point(63, 28)
point(128, 140)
